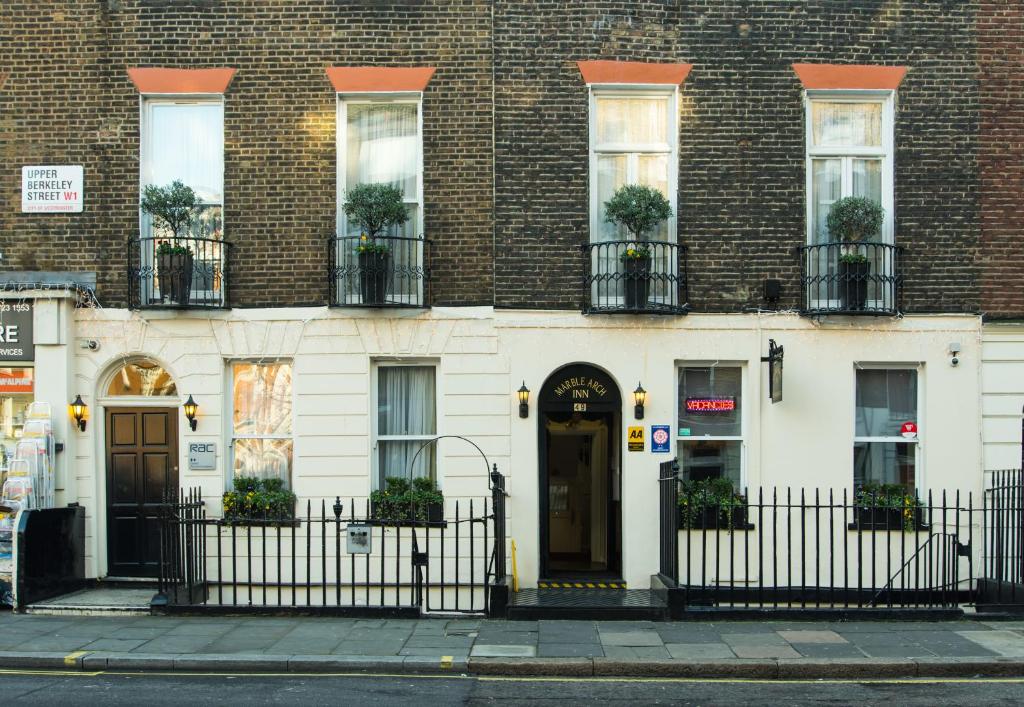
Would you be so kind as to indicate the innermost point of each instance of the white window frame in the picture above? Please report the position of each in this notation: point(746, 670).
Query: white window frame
point(230, 416)
point(744, 413)
point(146, 136)
point(919, 485)
point(671, 148)
point(375, 435)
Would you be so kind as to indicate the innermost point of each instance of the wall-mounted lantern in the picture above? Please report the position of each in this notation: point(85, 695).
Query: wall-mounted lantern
point(191, 408)
point(639, 400)
point(524, 400)
point(79, 411)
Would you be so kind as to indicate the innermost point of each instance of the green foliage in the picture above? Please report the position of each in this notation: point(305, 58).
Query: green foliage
point(854, 219)
point(402, 500)
point(637, 207)
point(853, 258)
point(696, 497)
point(890, 497)
point(639, 252)
point(258, 499)
point(375, 207)
point(168, 248)
point(368, 246)
point(174, 205)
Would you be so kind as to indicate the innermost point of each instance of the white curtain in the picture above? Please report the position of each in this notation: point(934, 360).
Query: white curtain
point(405, 408)
point(846, 124)
point(632, 120)
point(383, 145)
point(186, 142)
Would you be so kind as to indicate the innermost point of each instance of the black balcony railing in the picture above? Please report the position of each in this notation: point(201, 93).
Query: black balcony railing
point(387, 271)
point(178, 272)
point(615, 280)
point(851, 278)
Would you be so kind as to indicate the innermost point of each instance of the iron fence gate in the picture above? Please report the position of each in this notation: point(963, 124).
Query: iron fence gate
point(326, 559)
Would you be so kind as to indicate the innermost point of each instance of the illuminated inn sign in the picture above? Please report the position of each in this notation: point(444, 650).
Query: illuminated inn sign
point(706, 406)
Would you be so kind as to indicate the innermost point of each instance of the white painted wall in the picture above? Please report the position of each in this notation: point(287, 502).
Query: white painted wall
point(1002, 391)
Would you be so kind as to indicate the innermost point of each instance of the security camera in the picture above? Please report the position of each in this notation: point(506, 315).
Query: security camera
point(955, 361)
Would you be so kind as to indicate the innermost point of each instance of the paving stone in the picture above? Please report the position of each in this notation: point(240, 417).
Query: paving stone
point(625, 626)
point(176, 644)
point(1002, 642)
point(636, 652)
point(748, 650)
point(895, 650)
point(828, 650)
point(139, 632)
point(754, 639)
point(312, 646)
point(699, 651)
point(114, 645)
point(631, 639)
point(437, 653)
point(368, 648)
point(54, 643)
point(501, 639)
point(686, 635)
point(201, 629)
point(502, 651)
point(567, 650)
point(812, 637)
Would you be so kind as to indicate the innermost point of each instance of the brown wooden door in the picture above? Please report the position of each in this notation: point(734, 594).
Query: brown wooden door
point(142, 466)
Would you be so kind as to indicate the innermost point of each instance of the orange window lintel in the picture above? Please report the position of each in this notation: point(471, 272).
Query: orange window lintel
point(850, 76)
point(359, 79)
point(161, 80)
point(602, 71)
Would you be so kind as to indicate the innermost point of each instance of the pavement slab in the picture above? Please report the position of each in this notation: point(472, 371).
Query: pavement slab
point(812, 637)
point(699, 651)
point(631, 638)
point(481, 650)
point(763, 651)
point(569, 650)
point(1001, 642)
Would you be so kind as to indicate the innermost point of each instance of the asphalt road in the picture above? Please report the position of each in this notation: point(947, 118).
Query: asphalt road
point(193, 690)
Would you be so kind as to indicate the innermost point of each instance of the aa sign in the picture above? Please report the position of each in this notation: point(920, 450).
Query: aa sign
point(909, 430)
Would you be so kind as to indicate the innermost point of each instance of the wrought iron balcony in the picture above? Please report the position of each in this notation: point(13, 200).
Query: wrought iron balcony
point(851, 278)
point(177, 273)
point(387, 271)
point(634, 277)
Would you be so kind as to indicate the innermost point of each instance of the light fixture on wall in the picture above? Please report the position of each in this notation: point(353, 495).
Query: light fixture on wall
point(78, 410)
point(639, 400)
point(191, 407)
point(524, 400)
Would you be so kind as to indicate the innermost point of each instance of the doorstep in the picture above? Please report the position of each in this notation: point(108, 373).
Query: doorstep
point(97, 601)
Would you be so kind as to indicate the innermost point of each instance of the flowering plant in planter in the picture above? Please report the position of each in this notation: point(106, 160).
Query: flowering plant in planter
point(402, 500)
point(711, 504)
point(258, 499)
point(636, 252)
point(374, 208)
point(891, 506)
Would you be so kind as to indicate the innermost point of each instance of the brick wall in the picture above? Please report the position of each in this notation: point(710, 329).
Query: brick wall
point(1001, 157)
point(68, 100)
point(741, 162)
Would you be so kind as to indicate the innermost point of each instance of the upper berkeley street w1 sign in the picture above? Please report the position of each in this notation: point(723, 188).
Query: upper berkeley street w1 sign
point(52, 189)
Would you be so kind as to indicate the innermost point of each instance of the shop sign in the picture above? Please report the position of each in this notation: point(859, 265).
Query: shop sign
point(52, 189)
point(909, 430)
point(635, 441)
point(16, 342)
point(202, 455)
point(579, 388)
point(704, 406)
point(660, 441)
point(15, 380)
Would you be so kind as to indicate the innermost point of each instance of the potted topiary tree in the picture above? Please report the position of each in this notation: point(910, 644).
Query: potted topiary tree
point(638, 208)
point(374, 208)
point(853, 220)
point(174, 207)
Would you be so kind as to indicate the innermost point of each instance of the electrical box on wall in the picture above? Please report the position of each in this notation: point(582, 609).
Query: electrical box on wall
point(359, 540)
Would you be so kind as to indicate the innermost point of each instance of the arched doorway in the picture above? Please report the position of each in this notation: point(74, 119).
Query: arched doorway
point(140, 424)
point(580, 511)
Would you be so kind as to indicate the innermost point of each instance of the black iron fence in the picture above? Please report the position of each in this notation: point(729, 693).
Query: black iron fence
point(336, 555)
point(178, 272)
point(639, 277)
point(386, 271)
point(1002, 577)
point(851, 278)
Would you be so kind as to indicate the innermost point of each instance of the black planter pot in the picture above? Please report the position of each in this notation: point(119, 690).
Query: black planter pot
point(717, 519)
point(637, 282)
point(174, 277)
point(887, 519)
point(374, 272)
point(853, 285)
point(435, 514)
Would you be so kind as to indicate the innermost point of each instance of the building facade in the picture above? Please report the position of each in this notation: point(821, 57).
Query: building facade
point(508, 125)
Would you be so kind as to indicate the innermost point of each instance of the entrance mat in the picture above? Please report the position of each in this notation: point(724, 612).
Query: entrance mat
point(566, 584)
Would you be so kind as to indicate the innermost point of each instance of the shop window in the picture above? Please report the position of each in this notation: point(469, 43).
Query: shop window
point(261, 437)
point(406, 419)
point(886, 401)
point(16, 394)
point(711, 423)
point(141, 377)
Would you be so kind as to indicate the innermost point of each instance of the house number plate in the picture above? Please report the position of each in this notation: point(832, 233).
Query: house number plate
point(579, 407)
point(202, 455)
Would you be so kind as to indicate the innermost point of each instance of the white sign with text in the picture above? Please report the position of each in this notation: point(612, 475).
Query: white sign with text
point(52, 189)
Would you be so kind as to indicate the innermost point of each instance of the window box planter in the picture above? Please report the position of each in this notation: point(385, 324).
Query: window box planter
point(717, 519)
point(889, 519)
point(403, 502)
point(637, 285)
point(174, 277)
point(853, 285)
point(430, 513)
point(374, 268)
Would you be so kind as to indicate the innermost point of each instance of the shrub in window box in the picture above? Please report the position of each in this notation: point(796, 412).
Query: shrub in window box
point(887, 507)
point(853, 220)
point(174, 272)
point(402, 501)
point(254, 500)
point(638, 208)
point(374, 208)
point(712, 504)
point(174, 208)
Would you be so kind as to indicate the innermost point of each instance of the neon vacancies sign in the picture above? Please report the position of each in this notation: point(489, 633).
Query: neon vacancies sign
point(704, 406)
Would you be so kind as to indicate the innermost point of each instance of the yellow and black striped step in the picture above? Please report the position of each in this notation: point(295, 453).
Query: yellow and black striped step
point(604, 584)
